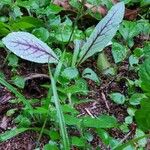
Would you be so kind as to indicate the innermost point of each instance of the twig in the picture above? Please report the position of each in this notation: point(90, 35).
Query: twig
point(36, 75)
point(125, 137)
point(89, 113)
point(110, 82)
point(105, 100)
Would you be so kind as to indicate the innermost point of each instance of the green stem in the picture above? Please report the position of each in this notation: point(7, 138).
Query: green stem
point(42, 130)
point(58, 70)
point(76, 21)
point(59, 66)
point(69, 98)
point(63, 130)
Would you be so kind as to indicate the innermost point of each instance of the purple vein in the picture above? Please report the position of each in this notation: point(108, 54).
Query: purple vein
point(99, 34)
point(37, 48)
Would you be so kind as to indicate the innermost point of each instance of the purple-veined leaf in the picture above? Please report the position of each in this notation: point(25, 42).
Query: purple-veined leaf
point(29, 47)
point(103, 32)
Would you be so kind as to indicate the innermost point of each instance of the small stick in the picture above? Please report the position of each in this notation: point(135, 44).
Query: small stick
point(105, 100)
point(125, 137)
point(81, 114)
point(89, 113)
point(36, 75)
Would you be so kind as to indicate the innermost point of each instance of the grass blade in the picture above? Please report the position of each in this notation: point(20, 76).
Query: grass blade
point(60, 115)
point(9, 134)
point(17, 94)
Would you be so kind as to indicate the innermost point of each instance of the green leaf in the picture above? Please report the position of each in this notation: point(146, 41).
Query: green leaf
point(129, 30)
point(51, 146)
point(103, 63)
point(41, 33)
point(128, 120)
point(90, 74)
point(16, 12)
point(146, 49)
point(26, 22)
point(71, 120)
point(13, 60)
point(22, 25)
point(136, 98)
point(133, 60)
point(144, 74)
point(40, 111)
point(9, 134)
point(103, 32)
point(75, 4)
point(9, 2)
point(52, 9)
point(104, 136)
point(70, 73)
point(145, 2)
point(142, 142)
point(144, 26)
point(113, 142)
point(54, 135)
point(89, 136)
point(117, 98)
point(2, 75)
point(4, 29)
point(138, 52)
point(19, 81)
point(77, 46)
point(68, 59)
point(124, 127)
point(142, 115)
point(119, 52)
point(69, 109)
point(22, 121)
point(131, 111)
point(80, 86)
point(104, 121)
point(79, 142)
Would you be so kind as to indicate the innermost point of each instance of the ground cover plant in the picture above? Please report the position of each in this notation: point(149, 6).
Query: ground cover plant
point(74, 74)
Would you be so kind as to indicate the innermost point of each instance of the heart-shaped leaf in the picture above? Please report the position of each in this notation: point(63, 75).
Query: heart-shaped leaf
point(90, 74)
point(29, 47)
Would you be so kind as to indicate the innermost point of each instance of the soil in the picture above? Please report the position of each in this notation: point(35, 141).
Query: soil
point(24, 141)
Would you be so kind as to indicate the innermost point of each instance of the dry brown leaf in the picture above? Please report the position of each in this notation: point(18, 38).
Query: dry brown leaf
point(65, 4)
point(5, 95)
point(4, 123)
point(131, 14)
point(100, 9)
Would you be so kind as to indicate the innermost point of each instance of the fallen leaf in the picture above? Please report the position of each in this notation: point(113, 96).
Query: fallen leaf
point(4, 123)
point(5, 95)
point(131, 14)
